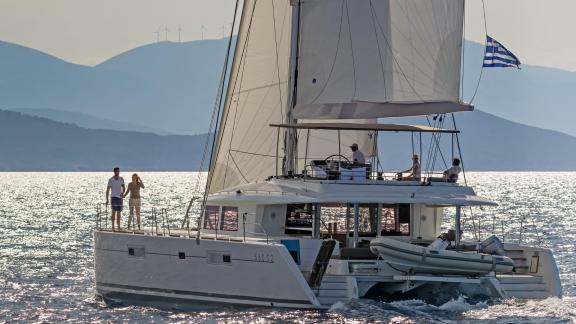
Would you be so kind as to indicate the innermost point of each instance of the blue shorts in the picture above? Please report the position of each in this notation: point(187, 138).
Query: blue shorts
point(117, 204)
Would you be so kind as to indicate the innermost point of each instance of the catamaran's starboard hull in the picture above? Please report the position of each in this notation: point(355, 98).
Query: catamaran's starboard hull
point(180, 271)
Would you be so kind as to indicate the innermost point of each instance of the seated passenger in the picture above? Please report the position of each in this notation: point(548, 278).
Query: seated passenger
point(357, 155)
point(451, 175)
point(415, 173)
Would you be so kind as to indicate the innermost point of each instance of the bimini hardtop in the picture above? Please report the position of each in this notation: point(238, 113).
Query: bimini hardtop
point(420, 259)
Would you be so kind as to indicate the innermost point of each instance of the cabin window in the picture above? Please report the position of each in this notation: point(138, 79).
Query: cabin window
point(229, 221)
point(211, 217)
point(395, 220)
point(299, 219)
point(367, 222)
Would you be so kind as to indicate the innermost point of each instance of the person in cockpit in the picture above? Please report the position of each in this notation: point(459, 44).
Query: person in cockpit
point(357, 155)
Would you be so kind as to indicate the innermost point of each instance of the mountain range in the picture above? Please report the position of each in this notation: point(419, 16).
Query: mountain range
point(128, 110)
point(169, 88)
point(30, 143)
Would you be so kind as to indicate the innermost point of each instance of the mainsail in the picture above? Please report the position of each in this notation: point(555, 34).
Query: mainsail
point(379, 58)
point(360, 59)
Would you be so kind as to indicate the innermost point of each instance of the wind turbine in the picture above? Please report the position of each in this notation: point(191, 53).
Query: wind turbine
point(202, 28)
point(157, 33)
point(166, 31)
point(180, 34)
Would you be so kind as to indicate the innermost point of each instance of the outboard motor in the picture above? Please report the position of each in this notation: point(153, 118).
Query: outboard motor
point(492, 245)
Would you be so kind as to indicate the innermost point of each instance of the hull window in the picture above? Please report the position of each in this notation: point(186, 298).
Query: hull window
point(218, 257)
point(136, 251)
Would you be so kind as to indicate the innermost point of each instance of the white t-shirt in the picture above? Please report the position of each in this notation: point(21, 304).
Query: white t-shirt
point(416, 172)
point(116, 186)
point(454, 171)
point(358, 157)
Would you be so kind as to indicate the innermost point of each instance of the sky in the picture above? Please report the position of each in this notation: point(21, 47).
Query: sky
point(540, 32)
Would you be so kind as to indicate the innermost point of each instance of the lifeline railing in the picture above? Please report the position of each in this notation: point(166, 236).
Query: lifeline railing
point(154, 221)
point(367, 174)
point(158, 223)
point(509, 232)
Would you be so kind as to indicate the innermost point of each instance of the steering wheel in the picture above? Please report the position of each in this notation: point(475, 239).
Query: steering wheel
point(330, 158)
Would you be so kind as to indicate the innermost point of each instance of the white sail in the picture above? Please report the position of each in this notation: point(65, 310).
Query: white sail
point(246, 148)
point(379, 58)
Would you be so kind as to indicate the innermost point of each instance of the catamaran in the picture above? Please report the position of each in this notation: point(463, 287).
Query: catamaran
point(288, 219)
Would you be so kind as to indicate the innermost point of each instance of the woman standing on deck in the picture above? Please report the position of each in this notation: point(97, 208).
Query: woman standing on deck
point(134, 203)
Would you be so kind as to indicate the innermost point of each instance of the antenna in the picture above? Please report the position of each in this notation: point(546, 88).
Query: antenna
point(180, 34)
point(166, 31)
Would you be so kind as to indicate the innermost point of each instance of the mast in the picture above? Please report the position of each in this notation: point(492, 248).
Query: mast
point(290, 143)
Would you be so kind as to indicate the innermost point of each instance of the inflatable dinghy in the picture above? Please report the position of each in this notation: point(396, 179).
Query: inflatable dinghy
point(419, 259)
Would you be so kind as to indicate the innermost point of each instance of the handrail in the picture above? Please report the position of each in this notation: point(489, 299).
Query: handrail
point(149, 220)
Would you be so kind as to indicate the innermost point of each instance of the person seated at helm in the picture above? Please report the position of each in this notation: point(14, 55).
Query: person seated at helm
point(357, 155)
point(415, 173)
point(451, 175)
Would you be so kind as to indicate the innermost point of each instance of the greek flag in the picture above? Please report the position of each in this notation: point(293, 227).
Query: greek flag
point(497, 55)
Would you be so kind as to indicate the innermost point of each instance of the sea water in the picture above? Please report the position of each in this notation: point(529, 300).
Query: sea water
point(47, 266)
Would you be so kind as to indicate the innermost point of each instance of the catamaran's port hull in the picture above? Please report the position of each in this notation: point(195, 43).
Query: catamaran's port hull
point(187, 270)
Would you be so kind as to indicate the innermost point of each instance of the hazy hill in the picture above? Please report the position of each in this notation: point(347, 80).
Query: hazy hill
point(171, 86)
point(164, 86)
point(535, 95)
point(488, 143)
point(30, 143)
point(86, 120)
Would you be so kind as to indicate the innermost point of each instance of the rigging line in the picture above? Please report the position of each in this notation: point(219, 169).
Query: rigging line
point(211, 129)
point(351, 49)
point(395, 59)
point(437, 148)
point(483, 55)
point(277, 57)
point(438, 141)
point(335, 55)
point(237, 167)
point(437, 144)
point(463, 52)
point(379, 53)
point(252, 153)
point(219, 100)
point(459, 151)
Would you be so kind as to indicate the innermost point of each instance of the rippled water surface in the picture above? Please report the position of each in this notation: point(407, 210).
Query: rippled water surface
point(46, 263)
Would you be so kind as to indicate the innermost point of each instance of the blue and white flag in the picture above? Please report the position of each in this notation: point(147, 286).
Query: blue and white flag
point(497, 55)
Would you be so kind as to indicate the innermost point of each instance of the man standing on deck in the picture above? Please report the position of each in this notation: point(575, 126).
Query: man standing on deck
point(116, 185)
point(357, 156)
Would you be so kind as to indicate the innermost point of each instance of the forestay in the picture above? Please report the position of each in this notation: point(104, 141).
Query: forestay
point(379, 58)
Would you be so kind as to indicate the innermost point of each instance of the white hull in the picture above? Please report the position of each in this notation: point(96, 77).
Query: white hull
point(264, 274)
point(258, 273)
